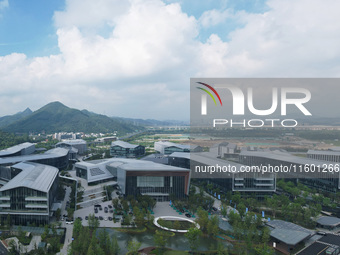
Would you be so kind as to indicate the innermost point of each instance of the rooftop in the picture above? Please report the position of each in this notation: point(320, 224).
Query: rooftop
point(34, 176)
point(286, 157)
point(15, 149)
point(124, 144)
point(288, 232)
point(328, 221)
point(324, 152)
point(72, 142)
point(171, 144)
point(53, 153)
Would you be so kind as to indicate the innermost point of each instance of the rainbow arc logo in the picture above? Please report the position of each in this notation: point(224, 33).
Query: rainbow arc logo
point(209, 93)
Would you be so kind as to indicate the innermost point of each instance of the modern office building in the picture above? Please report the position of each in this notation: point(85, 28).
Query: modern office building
point(29, 195)
point(138, 177)
point(78, 144)
point(206, 166)
point(57, 157)
point(165, 147)
point(227, 150)
point(288, 236)
point(325, 155)
point(121, 149)
point(18, 150)
point(313, 173)
point(95, 171)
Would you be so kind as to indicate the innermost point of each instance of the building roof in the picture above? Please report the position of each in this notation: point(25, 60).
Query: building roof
point(286, 157)
point(288, 232)
point(314, 249)
point(328, 221)
point(324, 152)
point(290, 237)
point(171, 144)
point(124, 144)
point(97, 170)
point(15, 149)
point(330, 239)
point(180, 155)
point(34, 176)
point(53, 153)
point(72, 142)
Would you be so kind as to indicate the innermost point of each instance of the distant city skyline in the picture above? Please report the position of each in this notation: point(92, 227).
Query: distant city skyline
point(135, 58)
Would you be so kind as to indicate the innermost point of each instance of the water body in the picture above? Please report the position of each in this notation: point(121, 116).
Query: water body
point(177, 242)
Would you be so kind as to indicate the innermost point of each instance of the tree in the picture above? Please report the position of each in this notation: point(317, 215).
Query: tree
point(58, 213)
point(192, 235)
point(93, 222)
point(212, 227)
point(45, 234)
point(133, 247)
point(77, 227)
point(160, 240)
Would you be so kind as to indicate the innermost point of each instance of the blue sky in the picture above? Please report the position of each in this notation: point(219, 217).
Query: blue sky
point(112, 56)
point(28, 26)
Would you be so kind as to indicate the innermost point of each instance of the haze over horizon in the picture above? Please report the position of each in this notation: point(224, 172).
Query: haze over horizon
point(134, 58)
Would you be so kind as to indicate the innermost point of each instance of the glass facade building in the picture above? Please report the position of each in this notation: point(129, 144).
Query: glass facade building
point(28, 197)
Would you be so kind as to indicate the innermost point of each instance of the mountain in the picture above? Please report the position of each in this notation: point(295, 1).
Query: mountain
point(56, 117)
point(9, 119)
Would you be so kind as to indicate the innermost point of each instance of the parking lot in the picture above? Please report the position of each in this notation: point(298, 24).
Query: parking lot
point(101, 213)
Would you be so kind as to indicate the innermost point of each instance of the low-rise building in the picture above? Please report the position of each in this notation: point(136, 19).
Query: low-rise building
point(78, 144)
point(29, 195)
point(18, 150)
point(121, 149)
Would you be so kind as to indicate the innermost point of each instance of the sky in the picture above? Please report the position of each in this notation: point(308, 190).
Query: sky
point(135, 58)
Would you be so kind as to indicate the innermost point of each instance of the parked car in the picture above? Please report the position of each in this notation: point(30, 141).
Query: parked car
point(68, 221)
point(110, 218)
point(188, 215)
point(95, 210)
point(86, 217)
point(110, 206)
point(80, 218)
point(101, 218)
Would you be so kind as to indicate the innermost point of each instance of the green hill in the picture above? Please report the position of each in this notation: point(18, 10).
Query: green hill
point(9, 119)
point(56, 117)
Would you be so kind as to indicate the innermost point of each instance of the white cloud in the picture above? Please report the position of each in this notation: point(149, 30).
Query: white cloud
point(214, 17)
point(141, 65)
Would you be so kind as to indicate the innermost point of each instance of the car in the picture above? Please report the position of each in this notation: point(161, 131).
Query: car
point(188, 215)
point(214, 208)
point(181, 210)
point(80, 218)
point(96, 218)
point(96, 210)
point(68, 221)
point(110, 206)
point(100, 208)
point(111, 211)
point(119, 213)
point(105, 218)
point(65, 215)
point(106, 210)
point(62, 218)
point(86, 217)
point(101, 218)
point(110, 218)
point(321, 233)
